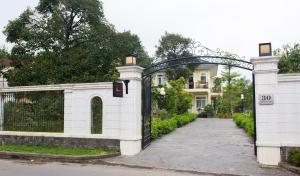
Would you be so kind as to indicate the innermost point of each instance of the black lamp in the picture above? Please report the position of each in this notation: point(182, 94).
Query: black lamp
point(265, 49)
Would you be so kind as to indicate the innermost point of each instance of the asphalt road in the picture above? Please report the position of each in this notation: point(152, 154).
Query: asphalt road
point(26, 168)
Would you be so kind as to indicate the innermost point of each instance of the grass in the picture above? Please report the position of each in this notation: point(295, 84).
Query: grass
point(54, 150)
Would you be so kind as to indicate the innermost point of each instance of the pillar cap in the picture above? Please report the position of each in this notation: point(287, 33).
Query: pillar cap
point(265, 64)
point(265, 59)
point(131, 68)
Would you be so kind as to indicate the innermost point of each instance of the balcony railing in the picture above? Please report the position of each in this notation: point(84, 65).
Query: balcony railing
point(202, 85)
point(216, 89)
point(198, 85)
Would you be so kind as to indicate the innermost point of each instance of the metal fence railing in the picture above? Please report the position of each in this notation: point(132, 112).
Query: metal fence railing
point(32, 111)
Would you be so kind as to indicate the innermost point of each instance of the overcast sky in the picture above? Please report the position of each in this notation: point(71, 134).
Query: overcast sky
point(235, 26)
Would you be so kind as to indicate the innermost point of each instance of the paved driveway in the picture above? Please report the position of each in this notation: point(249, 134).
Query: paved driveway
point(206, 145)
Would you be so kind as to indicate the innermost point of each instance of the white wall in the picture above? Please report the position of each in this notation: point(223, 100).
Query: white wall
point(288, 93)
point(278, 125)
point(77, 112)
point(122, 117)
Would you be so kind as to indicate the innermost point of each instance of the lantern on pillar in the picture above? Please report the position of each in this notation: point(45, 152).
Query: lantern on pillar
point(265, 49)
point(130, 59)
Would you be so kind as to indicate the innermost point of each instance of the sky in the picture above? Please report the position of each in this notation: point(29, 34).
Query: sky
point(236, 26)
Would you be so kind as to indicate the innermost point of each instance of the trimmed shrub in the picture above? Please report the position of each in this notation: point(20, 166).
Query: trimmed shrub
point(184, 119)
point(224, 115)
point(245, 121)
point(294, 158)
point(161, 127)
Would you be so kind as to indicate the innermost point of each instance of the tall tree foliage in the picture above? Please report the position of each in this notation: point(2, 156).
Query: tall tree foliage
point(174, 46)
point(63, 41)
point(234, 86)
point(289, 58)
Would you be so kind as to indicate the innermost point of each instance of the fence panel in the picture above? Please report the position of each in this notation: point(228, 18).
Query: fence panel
point(32, 111)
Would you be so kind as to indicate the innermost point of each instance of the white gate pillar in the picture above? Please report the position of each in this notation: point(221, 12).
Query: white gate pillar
point(131, 110)
point(267, 120)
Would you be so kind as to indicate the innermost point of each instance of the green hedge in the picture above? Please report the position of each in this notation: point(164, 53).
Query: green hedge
point(245, 121)
point(161, 127)
point(294, 157)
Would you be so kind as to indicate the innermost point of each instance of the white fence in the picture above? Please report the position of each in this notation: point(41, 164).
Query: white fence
point(121, 117)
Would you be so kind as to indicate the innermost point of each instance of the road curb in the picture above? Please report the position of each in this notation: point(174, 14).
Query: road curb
point(56, 158)
point(155, 168)
point(289, 167)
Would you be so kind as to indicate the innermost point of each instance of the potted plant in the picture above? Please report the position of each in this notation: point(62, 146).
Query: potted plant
point(201, 113)
point(209, 110)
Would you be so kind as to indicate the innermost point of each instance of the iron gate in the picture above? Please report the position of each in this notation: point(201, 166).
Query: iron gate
point(146, 110)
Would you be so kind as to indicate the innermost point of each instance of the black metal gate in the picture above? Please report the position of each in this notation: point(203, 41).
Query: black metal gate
point(146, 110)
point(200, 55)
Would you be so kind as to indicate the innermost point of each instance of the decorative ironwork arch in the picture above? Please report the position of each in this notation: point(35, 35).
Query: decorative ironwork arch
point(197, 60)
point(199, 54)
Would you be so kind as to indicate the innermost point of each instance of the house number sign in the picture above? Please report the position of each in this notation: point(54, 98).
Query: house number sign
point(266, 99)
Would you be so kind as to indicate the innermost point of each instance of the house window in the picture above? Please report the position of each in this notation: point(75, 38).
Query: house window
point(160, 80)
point(96, 115)
point(200, 102)
point(203, 78)
point(191, 83)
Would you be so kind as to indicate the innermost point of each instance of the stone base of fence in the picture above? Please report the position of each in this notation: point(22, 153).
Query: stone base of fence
point(68, 142)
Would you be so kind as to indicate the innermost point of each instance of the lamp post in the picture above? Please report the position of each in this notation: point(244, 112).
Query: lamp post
point(243, 104)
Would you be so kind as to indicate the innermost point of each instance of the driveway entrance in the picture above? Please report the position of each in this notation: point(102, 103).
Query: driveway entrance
point(206, 145)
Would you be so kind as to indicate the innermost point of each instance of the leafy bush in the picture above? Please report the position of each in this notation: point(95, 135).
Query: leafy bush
point(294, 157)
point(161, 127)
point(209, 110)
point(224, 115)
point(184, 119)
point(245, 121)
point(161, 113)
point(175, 100)
point(184, 102)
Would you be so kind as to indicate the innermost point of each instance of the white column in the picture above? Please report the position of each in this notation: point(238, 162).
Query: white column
point(267, 120)
point(131, 110)
point(68, 128)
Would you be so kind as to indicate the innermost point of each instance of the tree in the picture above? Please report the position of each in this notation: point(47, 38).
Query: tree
point(173, 46)
point(175, 100)
point(4, 55)
point(235, 85)
point(66, 41)
point(289, 58)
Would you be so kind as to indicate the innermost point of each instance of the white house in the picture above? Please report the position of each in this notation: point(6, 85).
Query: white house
point(200, 85)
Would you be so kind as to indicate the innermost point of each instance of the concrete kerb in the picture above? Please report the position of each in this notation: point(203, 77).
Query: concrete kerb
point(156, 168)
point(289, 167)
point(54, 158)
